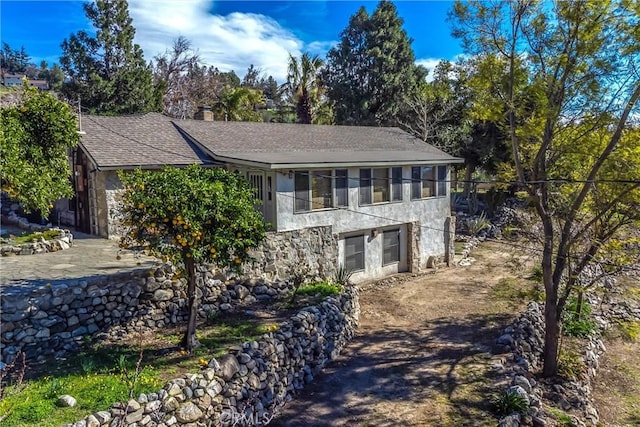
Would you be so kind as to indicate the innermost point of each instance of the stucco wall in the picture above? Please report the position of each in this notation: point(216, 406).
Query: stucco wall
point(430, 215)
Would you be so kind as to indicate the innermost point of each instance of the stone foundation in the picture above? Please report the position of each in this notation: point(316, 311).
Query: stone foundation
point(311, 251)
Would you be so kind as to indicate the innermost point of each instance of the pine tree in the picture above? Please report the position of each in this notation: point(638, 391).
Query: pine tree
point(108, 72)
point(372, 70)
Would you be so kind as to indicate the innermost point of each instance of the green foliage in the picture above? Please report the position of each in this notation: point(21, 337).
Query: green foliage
point(342, 276)
point(509, 402)
point(517, 291)
point(570, 365)
point(560, 78)
point(563, 419)
point(108, 72)
point(239, 104)
point(578, 324)
point(191, 216)
point(536, 274)
point(14, 60)
point(204, 214)
point(35, 404)
point(305, 90)
point(322, 289)
point(476, 225)
point(34, 139)
point(35, 236)
point(630, 331)
point(372, 71)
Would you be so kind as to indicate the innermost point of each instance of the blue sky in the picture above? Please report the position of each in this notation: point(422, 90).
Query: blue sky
point(228, 34)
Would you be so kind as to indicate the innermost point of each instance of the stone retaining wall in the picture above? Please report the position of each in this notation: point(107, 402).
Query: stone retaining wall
point(525, 340)
point(62, 242)
point(283, 254)
point(53, 318)
point(250, 383)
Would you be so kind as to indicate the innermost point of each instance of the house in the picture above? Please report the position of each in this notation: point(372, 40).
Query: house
point(9, 79)
point(381, 194)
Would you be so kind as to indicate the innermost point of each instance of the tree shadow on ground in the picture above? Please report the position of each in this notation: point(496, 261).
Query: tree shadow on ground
point(392, 364)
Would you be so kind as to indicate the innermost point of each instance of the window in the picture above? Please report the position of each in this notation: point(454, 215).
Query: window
point(365, 186)
point(428, 181)
point(316, 189)
point(390, 246)
point(321, 190)
point(380, 185)
point(301, 183)
point(342, 187)
point(396, 184)
point(354, 253)
point(442, 180)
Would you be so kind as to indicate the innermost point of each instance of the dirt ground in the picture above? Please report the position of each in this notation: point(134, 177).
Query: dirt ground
point(617, 387)
point(422, 354)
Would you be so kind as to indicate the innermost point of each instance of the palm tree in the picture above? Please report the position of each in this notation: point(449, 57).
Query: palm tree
point(303, 85)
point(239, 104)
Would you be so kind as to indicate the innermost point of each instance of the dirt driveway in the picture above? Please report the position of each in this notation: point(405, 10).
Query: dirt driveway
point(423, 353)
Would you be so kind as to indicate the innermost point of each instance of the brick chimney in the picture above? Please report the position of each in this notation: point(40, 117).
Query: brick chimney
point(204, 113)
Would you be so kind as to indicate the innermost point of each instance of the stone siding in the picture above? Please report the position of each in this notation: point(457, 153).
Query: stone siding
point(53, 318)
point(250, 383)
point(312, 251)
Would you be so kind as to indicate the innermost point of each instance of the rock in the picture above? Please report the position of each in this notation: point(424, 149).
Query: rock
point(226, 367)
point(92, 421)
point(132, 406)
point(521, 381)
point(188, 412)
point(134, 417)
point(162, 295)
point(66, 401)
point(505, 339)
point(171, 404)
point(102, 416)
point(539, 422)
point(512, 420)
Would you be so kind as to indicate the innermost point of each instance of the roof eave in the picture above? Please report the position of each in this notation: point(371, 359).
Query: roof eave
point(315, 165)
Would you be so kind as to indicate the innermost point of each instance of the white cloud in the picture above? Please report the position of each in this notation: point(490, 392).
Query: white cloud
point(429, 64)
point(321, 47)
point(230, 42)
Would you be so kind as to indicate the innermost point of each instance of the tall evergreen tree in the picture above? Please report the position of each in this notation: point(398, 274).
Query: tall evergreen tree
point(108, 72)
point(372, 70)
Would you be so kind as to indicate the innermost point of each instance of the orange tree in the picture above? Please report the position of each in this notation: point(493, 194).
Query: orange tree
point(191, 216)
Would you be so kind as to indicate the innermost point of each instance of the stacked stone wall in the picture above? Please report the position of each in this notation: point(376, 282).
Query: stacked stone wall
point(311, 251)
point(250, 383)
point(54, 318)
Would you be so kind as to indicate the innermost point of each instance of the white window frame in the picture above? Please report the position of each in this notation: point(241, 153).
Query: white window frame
point(394, 196)
point(334, 190)
point(436, 182)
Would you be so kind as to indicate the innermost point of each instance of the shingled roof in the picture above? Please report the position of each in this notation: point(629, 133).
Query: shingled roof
point(147, 141)
point(153, 140)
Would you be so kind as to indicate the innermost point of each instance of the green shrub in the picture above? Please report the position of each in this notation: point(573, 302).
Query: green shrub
point(570, 365)
point(509, 402)
point(630, 331)
point(323, 289)
point(578, 324)
point(342, 276)
point(563, 419)
point(536, 274)
point(476, 225)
